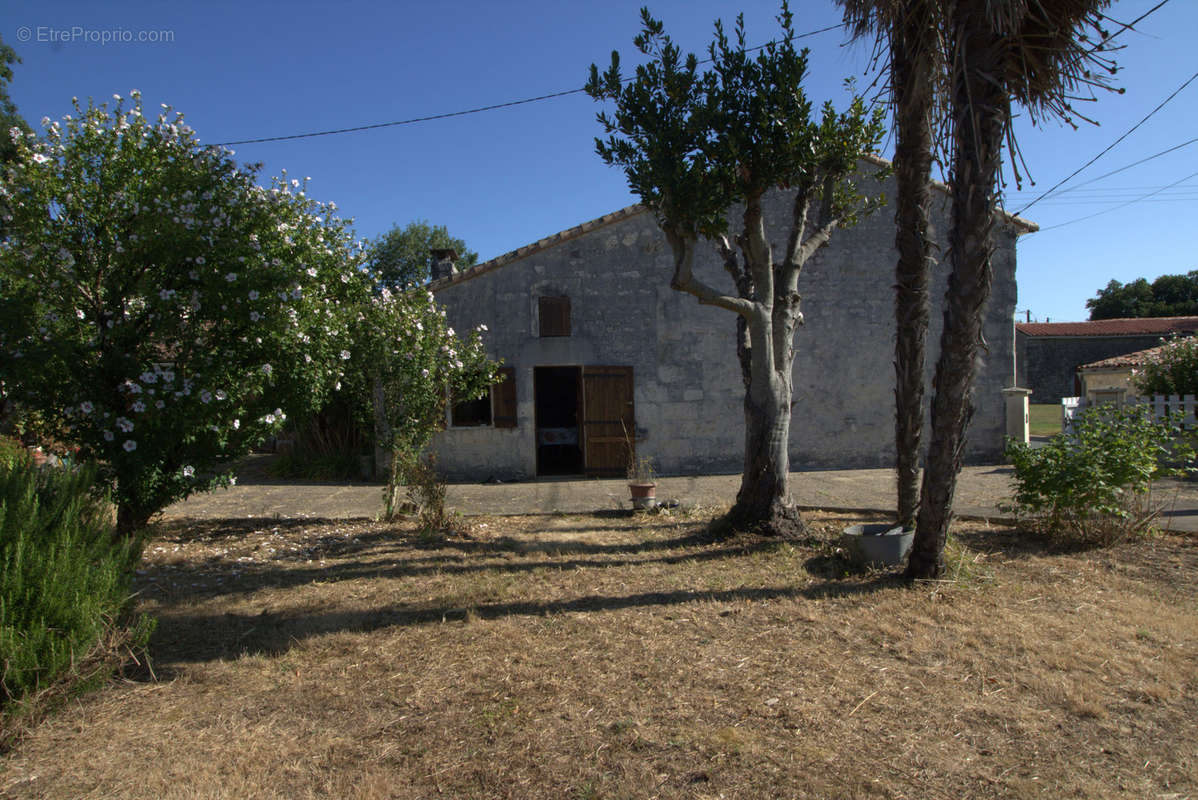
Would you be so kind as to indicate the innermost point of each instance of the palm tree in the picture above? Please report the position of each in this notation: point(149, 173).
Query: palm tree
point(915, 55)
point(1036, 53)
point(981, 56)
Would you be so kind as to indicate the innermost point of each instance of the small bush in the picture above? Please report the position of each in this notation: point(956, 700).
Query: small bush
point(64, 579)
point(1094, 487)
point(1171, 370)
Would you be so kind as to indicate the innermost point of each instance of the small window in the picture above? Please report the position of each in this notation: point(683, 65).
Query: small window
point(555, 316)
point(471, 413)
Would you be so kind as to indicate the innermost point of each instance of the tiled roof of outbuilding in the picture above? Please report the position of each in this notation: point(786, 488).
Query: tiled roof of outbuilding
point(1126, 360)
point(1111, 327)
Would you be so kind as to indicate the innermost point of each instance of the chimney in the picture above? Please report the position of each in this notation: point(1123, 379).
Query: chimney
point(443, 263)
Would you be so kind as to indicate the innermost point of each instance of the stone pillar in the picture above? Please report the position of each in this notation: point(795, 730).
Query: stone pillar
point(1016, 401)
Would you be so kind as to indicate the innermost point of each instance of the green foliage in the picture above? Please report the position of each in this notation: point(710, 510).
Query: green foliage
point(400, 258)
point(692, 144)
point(160, 310)
point(1093, 487)
point(1173, 369)
point(9, 118)
point(410, 361)
point(64, 578)
point(1167, 296)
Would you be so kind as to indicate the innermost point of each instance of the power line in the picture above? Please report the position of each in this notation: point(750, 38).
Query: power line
point(1124, 26)
point(1133, 164)
point(468, 111)
point(1111, 146)
point(1122, 205)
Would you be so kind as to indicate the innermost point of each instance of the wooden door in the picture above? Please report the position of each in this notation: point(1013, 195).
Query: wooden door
point(608, 421)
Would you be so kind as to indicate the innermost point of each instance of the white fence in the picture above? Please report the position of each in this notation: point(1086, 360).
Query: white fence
point(1161, 405)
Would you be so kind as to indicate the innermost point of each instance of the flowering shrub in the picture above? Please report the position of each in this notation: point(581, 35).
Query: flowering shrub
point(412, 362)
point(165, 311)
point(1171, 370)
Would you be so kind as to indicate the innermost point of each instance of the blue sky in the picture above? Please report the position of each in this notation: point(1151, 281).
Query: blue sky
point(502, 179)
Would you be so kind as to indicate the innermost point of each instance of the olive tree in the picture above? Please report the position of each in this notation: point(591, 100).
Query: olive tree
point(694, 144)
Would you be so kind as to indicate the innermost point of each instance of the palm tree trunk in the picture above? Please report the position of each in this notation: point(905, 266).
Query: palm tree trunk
point(980, 107)
point(911, 74)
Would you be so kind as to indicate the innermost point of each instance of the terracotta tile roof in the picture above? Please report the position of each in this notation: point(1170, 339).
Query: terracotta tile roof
point(1111, 327)
point(1121, 362)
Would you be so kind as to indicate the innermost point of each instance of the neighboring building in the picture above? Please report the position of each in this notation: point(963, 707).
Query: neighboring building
point(1111, 380)
point(1049, 354)
point(600, 350)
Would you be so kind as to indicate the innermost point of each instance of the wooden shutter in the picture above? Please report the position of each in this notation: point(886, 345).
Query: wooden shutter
point(504, 396)
point(555, 316)
point(608, 424)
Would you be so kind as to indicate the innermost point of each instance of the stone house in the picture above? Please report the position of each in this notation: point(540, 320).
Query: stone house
point(600, 352)
point(1049, 354)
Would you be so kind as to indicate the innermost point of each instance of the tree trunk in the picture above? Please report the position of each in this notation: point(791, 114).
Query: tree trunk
point(764, 502)
point(910, 64)
point(130, 520)
point(980, 108)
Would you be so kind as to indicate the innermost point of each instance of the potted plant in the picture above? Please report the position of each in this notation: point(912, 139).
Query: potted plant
point(642, 483)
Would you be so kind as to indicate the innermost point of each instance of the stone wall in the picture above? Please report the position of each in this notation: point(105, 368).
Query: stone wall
point(1048, 364)
point(688, 389)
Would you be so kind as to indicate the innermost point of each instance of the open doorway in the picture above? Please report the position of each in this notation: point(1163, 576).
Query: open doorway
point(556, 397)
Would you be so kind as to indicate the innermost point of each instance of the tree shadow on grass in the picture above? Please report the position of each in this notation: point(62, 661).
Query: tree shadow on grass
point(192, 638)
point(217, 577)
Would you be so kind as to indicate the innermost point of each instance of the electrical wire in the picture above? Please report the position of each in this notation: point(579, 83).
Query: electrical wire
point(1111, 146)
point(478, 110)
point(1122, 205)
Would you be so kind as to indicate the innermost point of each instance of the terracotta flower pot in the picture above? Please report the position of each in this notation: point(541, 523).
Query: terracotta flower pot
point(644, 495)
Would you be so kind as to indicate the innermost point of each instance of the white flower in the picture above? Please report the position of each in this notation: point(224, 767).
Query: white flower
point(311, 272)
point(159, 404)
point(199, 259)
point(79, 313)
point(205, 396)
point(307, 358)
point(253, 294)
point(220, 394)
point(189, 471)
point(266, 369)
point(108, 436)
point(231, 276)
point(232, 480)
point(482, 327)
point(139, 407)
point(345, 355)
point(129, 445)
point(124, 424)
point(39, 158)
point(270, 419)
point(148, 377)
point(86, 406)
point(236, 424)
point(255, 316)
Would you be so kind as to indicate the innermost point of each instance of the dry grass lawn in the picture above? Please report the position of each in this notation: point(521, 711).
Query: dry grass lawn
point(613, 656)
